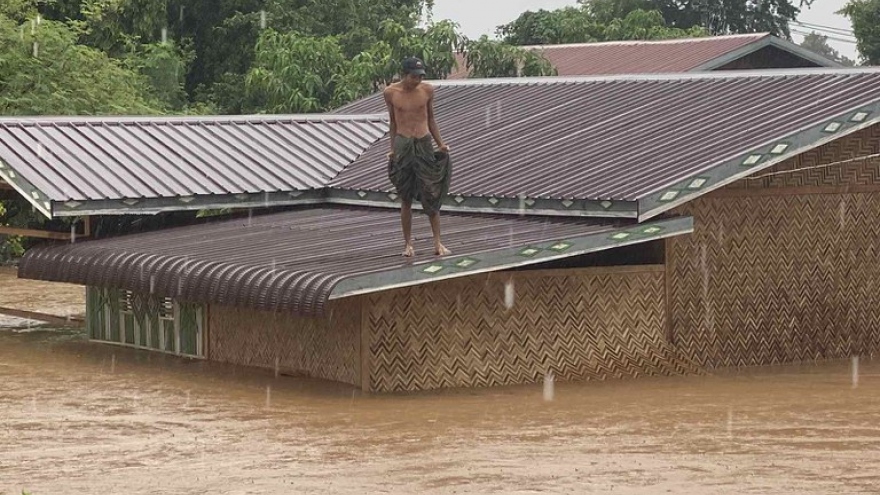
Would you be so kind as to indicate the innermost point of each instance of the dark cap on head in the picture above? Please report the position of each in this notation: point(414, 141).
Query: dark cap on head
point(413, 65)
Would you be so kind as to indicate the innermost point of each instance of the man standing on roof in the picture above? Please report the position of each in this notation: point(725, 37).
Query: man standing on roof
point(415, 170)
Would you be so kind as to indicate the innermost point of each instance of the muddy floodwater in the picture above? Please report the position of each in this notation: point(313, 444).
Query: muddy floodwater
point(83, 418)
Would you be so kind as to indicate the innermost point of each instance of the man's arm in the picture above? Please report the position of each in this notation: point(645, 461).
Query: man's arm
point(392, 126)
point(432, 123)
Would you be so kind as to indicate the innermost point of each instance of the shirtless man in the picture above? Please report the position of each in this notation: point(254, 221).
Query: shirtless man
point(413, 167)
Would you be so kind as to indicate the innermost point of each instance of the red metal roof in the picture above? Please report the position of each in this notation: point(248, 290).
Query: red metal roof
point(618, 138)
point(652, 56)
point(292, 261)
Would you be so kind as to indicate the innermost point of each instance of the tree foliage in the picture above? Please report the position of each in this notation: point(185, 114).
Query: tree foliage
point(44, 71)
point(865, 17)
point(610, 20)
point(586, 24)
point(818, 43)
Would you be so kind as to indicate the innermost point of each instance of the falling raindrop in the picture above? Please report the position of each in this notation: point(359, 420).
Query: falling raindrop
point(250, 216)
point(488, 117)
point(549, 386)
point(113, 363)
point(21, 32)
point(522, 204)
point(164, 35)
point(855, 371)
point(509, 293)
point(262, 19)
point(268, 396)
point(152, 284)
point(266, 198)
point(36, 49)
point(72, 233)
point(181, 13)
point(277, 366)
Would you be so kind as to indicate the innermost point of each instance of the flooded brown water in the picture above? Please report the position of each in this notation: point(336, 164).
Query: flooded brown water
point(80, 418)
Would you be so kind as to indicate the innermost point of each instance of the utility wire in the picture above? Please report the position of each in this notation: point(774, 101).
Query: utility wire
point(833, 38)
point(843, 31)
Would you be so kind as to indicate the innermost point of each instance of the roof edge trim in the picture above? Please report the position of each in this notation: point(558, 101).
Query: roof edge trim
point(773, 41)
point(530, 254)
point(522, 205)
point(25, 189)
point(174, 119)
point(758, 159)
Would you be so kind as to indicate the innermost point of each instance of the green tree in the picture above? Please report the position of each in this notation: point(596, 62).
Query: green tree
point(294, 72)
point(609, 20)
point(44, 71)
point(865, 17)
point(591, 22)
point(490, 58)
point(818, 43)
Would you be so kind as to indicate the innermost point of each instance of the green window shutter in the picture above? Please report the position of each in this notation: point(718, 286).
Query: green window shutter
point(189, 328)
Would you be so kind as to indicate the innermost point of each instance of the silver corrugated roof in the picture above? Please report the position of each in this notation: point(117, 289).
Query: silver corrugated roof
point(296, 260)
point(626, 138)
point(101, 158)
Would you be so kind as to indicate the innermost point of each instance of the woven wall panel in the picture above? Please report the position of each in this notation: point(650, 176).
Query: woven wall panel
point(807, 168)
point(782, 278)
point(458, 333)
point(326, 348)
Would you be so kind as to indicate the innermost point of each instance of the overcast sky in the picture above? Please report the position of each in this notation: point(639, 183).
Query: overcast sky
point(478, 17)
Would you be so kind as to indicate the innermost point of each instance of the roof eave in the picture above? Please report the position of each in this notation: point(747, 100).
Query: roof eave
point(514, 257)
point(757, 159)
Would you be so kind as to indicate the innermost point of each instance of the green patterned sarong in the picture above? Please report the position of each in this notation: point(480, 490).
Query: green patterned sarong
point(418, 173)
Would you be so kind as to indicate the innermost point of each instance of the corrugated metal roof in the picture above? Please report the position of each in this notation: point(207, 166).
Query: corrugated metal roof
point(99, 158)
point(656, 56)
point(619, 138)
point(292, 261)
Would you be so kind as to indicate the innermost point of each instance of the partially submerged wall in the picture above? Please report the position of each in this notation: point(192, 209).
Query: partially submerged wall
point(783, 268)
point(327, 347)
point(593, 323)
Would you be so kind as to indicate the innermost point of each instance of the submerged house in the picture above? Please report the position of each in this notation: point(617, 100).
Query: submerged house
point(600, 227)
point(710, 53)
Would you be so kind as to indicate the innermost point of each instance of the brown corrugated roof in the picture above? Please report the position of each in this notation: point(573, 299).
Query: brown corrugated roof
point(657, 56)
point(625, 138)
point(295, 261)
point(102, 158)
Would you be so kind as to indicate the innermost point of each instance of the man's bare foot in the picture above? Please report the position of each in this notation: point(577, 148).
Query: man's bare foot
point(440, 250)
point(408, 251)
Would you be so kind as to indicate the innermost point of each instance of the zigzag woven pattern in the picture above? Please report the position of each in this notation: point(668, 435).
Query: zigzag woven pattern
point(786, 278)
point(862, 143)
point(326, 348)
point(458, 333)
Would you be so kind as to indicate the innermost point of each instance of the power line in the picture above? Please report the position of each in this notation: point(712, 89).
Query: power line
point(846, 32)
point(833, 38)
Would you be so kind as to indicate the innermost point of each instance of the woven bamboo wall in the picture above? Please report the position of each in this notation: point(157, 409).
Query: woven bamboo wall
point(326, 348)
point(579, 324)
point(784, 268)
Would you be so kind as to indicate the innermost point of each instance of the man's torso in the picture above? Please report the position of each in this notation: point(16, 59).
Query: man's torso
point(411, 109)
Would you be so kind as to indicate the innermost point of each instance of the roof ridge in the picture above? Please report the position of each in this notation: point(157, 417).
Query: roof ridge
point(668, 41)
point(727, 74)
point(75, 120)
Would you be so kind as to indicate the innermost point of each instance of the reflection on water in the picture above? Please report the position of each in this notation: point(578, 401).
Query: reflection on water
point(83, 418)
